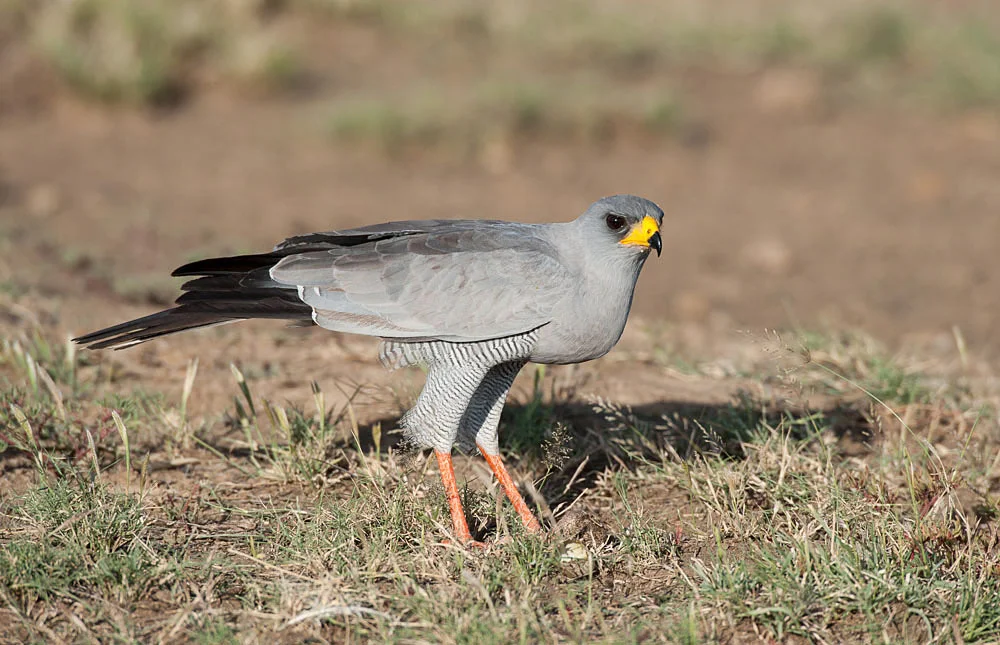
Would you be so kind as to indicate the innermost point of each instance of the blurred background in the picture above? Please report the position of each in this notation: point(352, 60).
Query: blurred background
point(823, 164)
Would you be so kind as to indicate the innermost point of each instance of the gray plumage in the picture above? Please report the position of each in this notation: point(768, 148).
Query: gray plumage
point(472, 300)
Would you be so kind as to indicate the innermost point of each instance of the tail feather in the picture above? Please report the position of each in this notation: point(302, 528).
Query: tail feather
point(227, 290)
point(140, 330)
point(255, 279)
point(229, 265)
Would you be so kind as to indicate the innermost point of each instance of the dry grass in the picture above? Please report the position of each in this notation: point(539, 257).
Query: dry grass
point(154, 52)
point(157, 51)
point(870, 517)
point(486, 119)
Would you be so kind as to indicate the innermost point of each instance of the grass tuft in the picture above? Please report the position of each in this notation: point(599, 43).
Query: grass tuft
point(116, 50)
point(155, 52)
point(292, 444)
point(880, 35)
point(851, 361)
point(69, 539)
point(503, 112)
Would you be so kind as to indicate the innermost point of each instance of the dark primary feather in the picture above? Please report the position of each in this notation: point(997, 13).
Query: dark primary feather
point(228, 265)
point(230, 289)
point(311, 242)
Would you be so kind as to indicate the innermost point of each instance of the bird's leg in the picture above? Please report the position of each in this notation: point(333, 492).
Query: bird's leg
point(527, 517)
point(481, 421)
point(434, 422)
point(460, 526)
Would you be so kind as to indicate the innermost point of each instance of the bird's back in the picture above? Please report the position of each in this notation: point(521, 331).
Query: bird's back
point(460, 281)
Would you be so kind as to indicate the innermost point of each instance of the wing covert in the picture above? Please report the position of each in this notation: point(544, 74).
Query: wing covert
point(456, 283)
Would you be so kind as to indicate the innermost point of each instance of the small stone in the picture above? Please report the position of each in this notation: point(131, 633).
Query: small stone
point(42, 200)
point(981, 127)
point(770, 255)
point(787, 91)
point(926, 188)
point(691, 306)
point(574, 551)
point(497, 155)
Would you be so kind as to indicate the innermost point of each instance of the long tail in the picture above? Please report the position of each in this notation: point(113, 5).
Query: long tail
point(226, 290)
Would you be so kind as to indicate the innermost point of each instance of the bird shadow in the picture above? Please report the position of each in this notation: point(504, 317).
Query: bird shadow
point(560, 447)
point(566, 445)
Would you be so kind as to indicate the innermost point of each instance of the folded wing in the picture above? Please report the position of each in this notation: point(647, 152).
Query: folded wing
point(459, 282)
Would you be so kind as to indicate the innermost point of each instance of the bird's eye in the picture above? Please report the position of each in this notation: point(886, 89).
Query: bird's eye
point(615, 222)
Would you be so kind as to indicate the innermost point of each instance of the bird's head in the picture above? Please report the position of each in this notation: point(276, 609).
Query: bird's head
point(625, 224)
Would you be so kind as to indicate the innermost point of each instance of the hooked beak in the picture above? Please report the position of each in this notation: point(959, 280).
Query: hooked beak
point(647, 234)
point(656, 242)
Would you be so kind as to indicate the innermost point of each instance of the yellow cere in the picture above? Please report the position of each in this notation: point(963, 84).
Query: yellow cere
point(640, 234)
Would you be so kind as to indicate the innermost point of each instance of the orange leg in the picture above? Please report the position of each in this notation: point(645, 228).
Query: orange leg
point(496, 465)
point(461, 527)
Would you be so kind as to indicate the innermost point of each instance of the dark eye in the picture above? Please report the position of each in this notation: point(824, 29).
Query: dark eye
point(615, 222)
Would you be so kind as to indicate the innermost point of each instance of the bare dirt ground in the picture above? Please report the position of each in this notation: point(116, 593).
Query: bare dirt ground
point(788, 207)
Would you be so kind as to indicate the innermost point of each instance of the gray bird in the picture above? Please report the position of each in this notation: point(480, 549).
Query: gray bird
point(472, 300)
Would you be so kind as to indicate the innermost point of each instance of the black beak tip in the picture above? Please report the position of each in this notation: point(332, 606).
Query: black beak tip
point(656, 242)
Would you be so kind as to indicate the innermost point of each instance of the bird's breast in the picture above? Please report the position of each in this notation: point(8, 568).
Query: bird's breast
point(582, 335)
point(589, 322)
